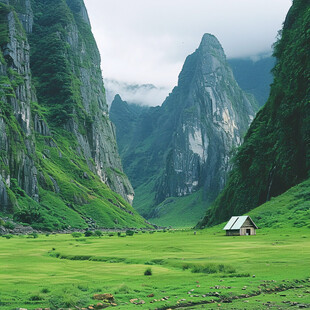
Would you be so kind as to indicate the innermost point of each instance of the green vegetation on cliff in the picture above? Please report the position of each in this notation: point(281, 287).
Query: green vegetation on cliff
point(59, 165)
point(275, 154)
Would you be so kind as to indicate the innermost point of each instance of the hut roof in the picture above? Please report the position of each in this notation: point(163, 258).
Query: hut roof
point(236, 222)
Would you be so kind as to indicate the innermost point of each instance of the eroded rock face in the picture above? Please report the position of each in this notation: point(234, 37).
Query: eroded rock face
point(22, 121)
point(16, 135)
point(186, 144)
point(215, 115)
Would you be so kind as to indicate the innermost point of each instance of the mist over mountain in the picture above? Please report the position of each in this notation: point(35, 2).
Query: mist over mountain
point(141, 94)
point(254, 75)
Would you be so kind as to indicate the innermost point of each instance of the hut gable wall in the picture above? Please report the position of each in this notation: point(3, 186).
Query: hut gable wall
point(247, 223)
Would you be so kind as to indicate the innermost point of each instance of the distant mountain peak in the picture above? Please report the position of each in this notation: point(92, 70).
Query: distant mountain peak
point(210, 45)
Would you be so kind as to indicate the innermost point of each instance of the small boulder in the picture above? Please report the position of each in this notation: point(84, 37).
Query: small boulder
point(106, 296)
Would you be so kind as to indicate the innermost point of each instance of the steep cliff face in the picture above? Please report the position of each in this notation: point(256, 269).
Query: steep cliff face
point(186, 144)
point(17, 134)
point(58, 150)
point(215, 114)
point(275, 152)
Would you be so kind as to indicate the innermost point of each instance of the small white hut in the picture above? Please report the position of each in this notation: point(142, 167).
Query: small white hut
point(240, 226)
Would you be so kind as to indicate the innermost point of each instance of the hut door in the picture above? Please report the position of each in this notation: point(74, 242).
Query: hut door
point(248, 232)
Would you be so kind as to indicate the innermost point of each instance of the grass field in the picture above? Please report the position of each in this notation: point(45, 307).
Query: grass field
point(60, 271)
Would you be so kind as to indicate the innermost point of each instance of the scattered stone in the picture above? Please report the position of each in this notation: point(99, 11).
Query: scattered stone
point(108, 297)
point(134, 300)
point(100, 305)
point(150, 295)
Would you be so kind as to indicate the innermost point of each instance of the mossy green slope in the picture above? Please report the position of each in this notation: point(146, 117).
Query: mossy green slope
point(289, 210)
point(59, 162)
point(275, 154)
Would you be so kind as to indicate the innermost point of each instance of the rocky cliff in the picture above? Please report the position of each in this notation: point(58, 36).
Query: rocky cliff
point(186, 144)
point(58, 151)
point(275, 152)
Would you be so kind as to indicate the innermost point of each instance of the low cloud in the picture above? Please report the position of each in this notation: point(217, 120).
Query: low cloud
point(145, 94)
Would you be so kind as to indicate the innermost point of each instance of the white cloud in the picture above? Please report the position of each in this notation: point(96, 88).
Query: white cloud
point(147, 41)
point(146, 94)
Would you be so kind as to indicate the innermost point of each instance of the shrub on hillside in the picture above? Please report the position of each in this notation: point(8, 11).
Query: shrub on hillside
point(76, 234)
point(88, 233)
point(148, 272)
point(98, 233)
point(7, 236)
point(9, 225)
point(129, 232)
point(28, 215)
point(33, 235)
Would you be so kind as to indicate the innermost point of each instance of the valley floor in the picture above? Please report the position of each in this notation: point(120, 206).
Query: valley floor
point(206, 270)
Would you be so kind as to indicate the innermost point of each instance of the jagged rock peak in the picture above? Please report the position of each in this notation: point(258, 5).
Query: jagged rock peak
point(117, 98)
point(210, 42)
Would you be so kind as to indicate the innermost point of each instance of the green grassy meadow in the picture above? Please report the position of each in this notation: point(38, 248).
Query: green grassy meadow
point(60, 271)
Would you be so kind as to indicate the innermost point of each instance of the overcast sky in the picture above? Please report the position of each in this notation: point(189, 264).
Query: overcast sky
point(147, 41)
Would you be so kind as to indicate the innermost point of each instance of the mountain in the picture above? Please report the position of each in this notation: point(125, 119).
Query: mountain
point(275, 154)
point(185, 145)
point(59, 164)
point(126, 117)
point(254, 76)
